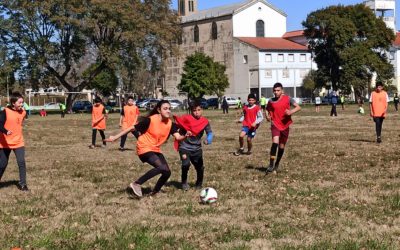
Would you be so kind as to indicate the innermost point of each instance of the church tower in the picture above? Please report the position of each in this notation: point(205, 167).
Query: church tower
point(187, 7)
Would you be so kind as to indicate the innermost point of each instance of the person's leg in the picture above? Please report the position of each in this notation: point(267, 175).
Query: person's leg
point(284, 135)
point(103, 137)
point(396, 106)
point(332, 110)
point(335, 111)
point(123, 140)
point(241, 143)
point(4, 155)
point(20, 155)
point(249, 144)
point(197, 161)
point(272, 154)
point(94, 132)
point(378, 128)
point(185, 161)
point(165, 174)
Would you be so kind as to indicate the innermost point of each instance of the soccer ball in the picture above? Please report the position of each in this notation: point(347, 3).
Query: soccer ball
point(208, 195)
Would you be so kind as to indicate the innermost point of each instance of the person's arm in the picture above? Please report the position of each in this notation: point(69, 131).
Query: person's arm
point(122, 117)
point(296, 108)
point(3, 119)
point(371, 111)
point(267, 112)
point(260, 117)
point(175, 133)
point(141, 127)
point(209, 133)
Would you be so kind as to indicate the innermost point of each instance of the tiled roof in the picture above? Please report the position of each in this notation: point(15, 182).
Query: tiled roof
point(397, 41)
point(272, 43)
point(293, 33)
point(224, 10)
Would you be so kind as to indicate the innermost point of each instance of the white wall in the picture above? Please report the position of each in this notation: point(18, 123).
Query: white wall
point(397, 69)
point(244, 22)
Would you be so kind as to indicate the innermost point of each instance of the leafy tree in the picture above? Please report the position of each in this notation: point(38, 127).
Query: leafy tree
point(349, 44)
point(105, 82)
point(62, 38)
point(203, 76)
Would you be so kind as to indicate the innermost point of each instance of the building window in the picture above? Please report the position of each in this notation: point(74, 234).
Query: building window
point(303, 58)
point(245, 59)
point(260, 28)
point(191, 6)
point(268, 57)
point(280, 58)
point(196, 34)
point(268, 73)
point(214, 31)
point(291, 58)
point(285, 73)
point(182, 7)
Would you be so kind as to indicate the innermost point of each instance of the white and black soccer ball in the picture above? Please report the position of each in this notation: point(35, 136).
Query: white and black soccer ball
point(208, 195)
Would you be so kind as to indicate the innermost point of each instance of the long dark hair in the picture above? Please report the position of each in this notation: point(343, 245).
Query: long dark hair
point(154, 111)
point(14, 97)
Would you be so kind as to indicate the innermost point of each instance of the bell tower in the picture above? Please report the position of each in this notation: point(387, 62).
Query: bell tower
point(187, 7)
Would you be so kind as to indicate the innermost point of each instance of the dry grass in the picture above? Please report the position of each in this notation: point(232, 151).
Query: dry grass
point(337, 189)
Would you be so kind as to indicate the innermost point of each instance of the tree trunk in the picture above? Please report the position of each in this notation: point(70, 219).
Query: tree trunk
point(70, 100)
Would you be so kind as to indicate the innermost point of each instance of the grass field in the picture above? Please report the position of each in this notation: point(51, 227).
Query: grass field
point(337, 189)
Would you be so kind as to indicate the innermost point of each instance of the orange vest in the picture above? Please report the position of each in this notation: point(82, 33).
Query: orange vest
point(131, 114)
point(13, 123)
point(155, 136)
point(97, 112)
point(379, 103)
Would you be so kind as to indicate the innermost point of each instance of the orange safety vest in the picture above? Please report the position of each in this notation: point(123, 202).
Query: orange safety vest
point(379, 103)
point(131, 114)
point(97, 112)
point(155, 136)
point(13, 123)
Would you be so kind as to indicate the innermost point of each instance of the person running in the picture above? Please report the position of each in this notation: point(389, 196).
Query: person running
point(239, 104)
point(378, 103)
point(129, 115)
point(11, 137)
point(251, 119)
point(99, 116)
point(263, 103)
point(396, 102)
point(279, 114)
point(62, 109)
point(317, 103)
point(154, 131)
point(190, 149)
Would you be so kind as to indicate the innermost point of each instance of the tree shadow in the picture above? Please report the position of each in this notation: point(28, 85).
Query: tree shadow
point(251, 167)
point(6, 184)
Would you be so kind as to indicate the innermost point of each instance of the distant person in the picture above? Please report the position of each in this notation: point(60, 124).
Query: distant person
point(334, 101)
point(27, 109)
point(63, 108)
point(263, 103)
point(251, 119)
point(378, 103)
point(280, 116)
point(11, 137)
point(43, 113)
point(317, 103)
point(99, 115)
point(239, 104)
point(225, 106)
point(396, 102)
point(129, 116)
point(342, 101)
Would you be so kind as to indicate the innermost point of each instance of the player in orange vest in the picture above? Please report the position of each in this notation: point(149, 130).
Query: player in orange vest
point(154, 131)
point(11, 138)
point(378, 103)
point(99, 116)
point(129, 115)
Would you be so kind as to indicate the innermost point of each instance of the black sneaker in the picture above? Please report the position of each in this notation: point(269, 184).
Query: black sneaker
point(239, 152)
point(248, 153)
point(23, 188)
point(185, 186)
point(270, 169)
point(378, 140)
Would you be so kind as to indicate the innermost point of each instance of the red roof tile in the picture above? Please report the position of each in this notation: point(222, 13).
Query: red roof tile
point(293, 33)
point(397, 41)
point(272, 43)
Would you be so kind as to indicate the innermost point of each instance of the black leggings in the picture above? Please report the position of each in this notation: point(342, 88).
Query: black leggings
point(378, 125)
point(103, 136)
point(125, 136)
point(157, 160)
point(20, 155)
point(196, 158)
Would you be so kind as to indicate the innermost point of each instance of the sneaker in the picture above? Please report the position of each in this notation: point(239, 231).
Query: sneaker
point(136, 188)
point(378, 140)
point(92, 146)
point(104, 145)
point(248, 153)
point(185, 186)
point(121, 149)
point(23, 188)
point(270, 169)
point(276, 167)
point(240, 151)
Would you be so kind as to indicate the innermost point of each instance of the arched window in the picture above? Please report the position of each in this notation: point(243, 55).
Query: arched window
point(260, 28)
point(214, 31)
point(196, 34)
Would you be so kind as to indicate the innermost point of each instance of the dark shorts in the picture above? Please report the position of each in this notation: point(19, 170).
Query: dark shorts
point(317, 105)
point(251, 133)
point(283, 135)
point(263, 107)
point(150, 157)
point(194, 157)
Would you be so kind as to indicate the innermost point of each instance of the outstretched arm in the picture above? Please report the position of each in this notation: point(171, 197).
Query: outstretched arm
point(117, 136)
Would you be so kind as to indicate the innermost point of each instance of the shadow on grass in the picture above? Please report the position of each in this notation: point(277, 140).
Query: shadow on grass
point(251, 167)
point(8, 183)
point(362, 140)
point(175, 184)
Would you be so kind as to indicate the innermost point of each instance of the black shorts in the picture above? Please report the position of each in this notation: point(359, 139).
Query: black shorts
point(263, 107)
point(194, 157)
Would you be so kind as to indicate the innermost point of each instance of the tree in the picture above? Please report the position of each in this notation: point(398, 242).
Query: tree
point(63, 38)
point(105, 82)
point(203, 76)
point(349, 44)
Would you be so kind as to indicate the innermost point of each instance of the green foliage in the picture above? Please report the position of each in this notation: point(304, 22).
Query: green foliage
point(203, 76)
point(105, 82)
point(349, 44)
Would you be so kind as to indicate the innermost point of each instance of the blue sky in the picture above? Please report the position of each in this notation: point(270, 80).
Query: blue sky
point(295, 9)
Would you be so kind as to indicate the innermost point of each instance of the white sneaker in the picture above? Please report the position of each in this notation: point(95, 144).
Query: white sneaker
point(136, 188)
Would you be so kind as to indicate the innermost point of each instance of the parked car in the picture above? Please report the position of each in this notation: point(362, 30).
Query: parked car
point(82, 106)
point(151, 104)
point(51, 105)
point(231, 101)
point(212, 103)
point(176, 104)
point(143, 103)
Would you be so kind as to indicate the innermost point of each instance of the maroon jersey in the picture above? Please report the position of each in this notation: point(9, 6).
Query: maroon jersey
point(250, 115)
point(276, 110)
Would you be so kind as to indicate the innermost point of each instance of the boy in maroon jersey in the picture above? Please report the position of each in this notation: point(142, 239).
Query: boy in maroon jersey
point(279, 113)
point(251, 118)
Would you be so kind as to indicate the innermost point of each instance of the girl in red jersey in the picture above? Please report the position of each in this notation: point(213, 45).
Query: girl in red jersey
point(129, 115)
point(99, 115)
point(251, 119)
point(153, 130)
point(11, 138)
point(279, 113)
